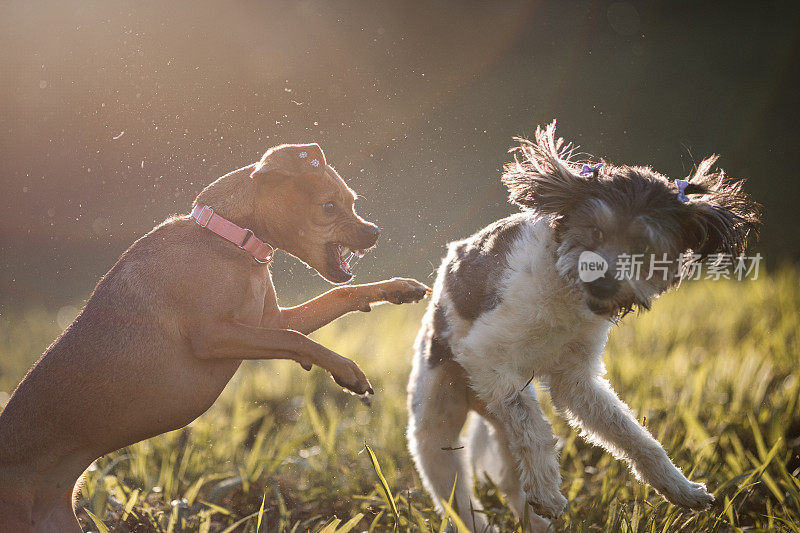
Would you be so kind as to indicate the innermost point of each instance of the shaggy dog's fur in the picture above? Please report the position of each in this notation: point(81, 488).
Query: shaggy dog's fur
point(509, 304)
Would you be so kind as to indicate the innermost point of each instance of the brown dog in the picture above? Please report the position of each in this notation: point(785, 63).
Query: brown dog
point(167, 327)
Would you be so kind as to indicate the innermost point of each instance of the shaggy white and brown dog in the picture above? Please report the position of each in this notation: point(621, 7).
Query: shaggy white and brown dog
point(509, 304)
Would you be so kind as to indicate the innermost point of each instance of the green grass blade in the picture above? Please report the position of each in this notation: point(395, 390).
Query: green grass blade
point(350, 524)
point(383, 483)
point(233, 527)
point(101, 527)
point(375, 521)
point(261, 513)
point(132, 499)
point(330, 527)
point(450, 503)
point(453, 517)
point(216, 508)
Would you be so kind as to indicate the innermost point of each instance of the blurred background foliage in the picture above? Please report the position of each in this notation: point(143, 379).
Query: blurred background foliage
point(115, 114)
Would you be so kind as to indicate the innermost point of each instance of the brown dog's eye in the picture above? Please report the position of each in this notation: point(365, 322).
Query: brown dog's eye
point(597, 234)
point(329, 208)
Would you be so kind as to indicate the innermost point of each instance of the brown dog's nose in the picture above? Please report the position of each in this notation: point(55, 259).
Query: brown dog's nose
point(370, 233)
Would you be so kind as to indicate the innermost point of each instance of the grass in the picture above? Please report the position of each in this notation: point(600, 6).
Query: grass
point(712, 370)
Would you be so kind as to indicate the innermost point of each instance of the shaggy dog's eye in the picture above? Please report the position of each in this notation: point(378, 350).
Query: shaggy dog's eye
point(597, 234)
point(329, 208)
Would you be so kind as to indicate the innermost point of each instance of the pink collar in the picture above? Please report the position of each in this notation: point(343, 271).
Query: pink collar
point(241, 237)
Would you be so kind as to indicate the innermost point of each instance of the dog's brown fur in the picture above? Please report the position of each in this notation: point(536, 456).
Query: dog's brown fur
point(168, 326)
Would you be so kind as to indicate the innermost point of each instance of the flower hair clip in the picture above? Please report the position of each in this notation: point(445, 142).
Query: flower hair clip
point(682, 184)
point(314, 162)
point(591, 169)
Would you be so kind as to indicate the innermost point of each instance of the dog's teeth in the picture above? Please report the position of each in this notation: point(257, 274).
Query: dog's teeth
point(360, 253)
point(346, 256)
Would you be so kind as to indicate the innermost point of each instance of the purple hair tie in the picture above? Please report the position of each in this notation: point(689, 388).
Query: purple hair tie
point(591, 169)
point(682, 184)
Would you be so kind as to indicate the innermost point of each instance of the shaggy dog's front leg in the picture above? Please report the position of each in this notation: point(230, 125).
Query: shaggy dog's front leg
point(532, 442)
point(590, 403)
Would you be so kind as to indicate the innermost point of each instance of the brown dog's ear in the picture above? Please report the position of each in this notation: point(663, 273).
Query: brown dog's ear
point(720, 215)
point(291, 160)
point(544, 180)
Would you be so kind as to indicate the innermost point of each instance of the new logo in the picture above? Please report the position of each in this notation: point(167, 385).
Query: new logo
point(591, 266)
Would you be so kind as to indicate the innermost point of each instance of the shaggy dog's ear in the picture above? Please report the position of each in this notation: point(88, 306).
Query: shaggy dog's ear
point(719, 214)
point(542, 177)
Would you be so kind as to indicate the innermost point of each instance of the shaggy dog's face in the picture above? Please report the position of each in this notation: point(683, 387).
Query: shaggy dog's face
point(631, 223)
point(628, 220)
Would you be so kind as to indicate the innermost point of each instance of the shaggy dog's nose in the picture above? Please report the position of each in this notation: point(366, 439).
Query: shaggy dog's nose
point(603, 288)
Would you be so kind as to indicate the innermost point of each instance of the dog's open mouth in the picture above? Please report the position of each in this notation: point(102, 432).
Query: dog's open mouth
point(340, 262)
point(348, 258)
point(615, 310)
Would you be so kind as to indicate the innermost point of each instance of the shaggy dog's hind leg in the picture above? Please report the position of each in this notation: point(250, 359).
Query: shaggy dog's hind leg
point(491, 457)
point(438, 408)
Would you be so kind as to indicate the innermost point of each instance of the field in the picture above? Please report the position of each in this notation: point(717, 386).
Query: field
point(713, 369)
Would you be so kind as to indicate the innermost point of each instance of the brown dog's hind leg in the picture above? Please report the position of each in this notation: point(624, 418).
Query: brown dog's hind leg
point(16, 501)
point(63, 516)
point(14, 518)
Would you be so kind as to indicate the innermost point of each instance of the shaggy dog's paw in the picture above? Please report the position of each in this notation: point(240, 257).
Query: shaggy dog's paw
point(691, 495)
point(549, 505)
point(537, 524)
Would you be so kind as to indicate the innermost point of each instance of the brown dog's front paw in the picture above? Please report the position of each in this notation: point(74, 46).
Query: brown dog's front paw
point(402, 291)
point(348, 375)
